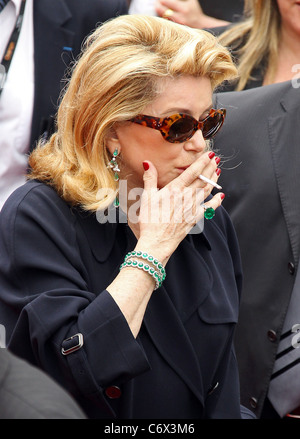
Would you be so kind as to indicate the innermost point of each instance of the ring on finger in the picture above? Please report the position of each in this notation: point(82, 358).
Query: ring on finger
point(168, 13)
point(209, 212)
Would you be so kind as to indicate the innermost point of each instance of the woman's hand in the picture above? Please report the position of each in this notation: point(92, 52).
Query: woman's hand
point(188, 12)
point(167, 215)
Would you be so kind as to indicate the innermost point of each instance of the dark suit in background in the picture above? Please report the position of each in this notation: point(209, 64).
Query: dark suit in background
point(60, 26)
point(27, 393)
point(259, 143)
point(229, 10)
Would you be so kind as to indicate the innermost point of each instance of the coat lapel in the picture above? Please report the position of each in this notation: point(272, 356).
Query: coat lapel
point(53, 45)
point(284, 138)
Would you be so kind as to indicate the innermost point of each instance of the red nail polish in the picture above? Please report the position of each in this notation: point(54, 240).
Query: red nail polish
point(218, 171)
point(146, 166)
point(217, 160)
point(211, 154)
point(222, 196)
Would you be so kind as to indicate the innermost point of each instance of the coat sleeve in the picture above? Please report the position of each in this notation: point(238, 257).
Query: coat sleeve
point(44, 299)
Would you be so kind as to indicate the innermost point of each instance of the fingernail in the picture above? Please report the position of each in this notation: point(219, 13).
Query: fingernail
point(222, 196)
point(217, 160)
point(146, 166)
point(211, 154)
point(218, 171)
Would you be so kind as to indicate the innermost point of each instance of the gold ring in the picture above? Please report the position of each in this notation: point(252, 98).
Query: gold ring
point(168, 13)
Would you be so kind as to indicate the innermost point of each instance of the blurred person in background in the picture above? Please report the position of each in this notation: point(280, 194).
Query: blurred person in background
point(265, 44)
point(26, 392)
point(46, 36)
point(194, 13)
point(260, 174)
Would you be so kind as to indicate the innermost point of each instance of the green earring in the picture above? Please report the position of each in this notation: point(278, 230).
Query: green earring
point(114, 166)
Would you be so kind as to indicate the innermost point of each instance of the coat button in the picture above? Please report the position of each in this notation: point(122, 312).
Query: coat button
point(253, 402)
point(113, 392)
point(291, 268)
point(272, 336)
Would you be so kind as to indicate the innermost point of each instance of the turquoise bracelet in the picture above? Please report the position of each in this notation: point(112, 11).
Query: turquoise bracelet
point(149, 258)
point(146, 267)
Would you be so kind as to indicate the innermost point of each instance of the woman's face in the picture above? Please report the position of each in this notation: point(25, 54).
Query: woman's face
point(290, 15)
point(138, 143)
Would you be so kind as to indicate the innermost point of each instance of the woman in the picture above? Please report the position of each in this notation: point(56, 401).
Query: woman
point(154, 342)
point(266, 42)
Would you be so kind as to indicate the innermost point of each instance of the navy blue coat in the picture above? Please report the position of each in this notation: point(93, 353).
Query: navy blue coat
point(55, 263)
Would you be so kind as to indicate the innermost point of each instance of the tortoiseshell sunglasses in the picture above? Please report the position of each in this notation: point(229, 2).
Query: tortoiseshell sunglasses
point(181, 127)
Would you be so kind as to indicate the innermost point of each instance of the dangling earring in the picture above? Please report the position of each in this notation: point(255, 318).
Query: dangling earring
point(114, 166)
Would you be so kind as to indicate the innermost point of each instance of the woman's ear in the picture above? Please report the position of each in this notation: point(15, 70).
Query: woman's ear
point(112, 142)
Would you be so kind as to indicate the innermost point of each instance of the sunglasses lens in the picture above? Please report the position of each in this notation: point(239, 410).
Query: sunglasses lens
point(181, 127)
point(212, 125)
point(181, 130)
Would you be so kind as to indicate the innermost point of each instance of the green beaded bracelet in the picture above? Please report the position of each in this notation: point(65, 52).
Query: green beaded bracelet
point(146, 267)
point(149, 258)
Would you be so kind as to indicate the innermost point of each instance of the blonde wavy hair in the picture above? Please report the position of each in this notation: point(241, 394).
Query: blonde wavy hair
point(255, 39)
point(115, 77)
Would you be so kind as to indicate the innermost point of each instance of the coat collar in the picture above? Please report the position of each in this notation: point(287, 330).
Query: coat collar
point(55, 11)
point(50, 18)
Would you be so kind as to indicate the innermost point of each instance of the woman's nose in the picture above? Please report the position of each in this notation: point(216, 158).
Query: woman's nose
point(196, 143)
